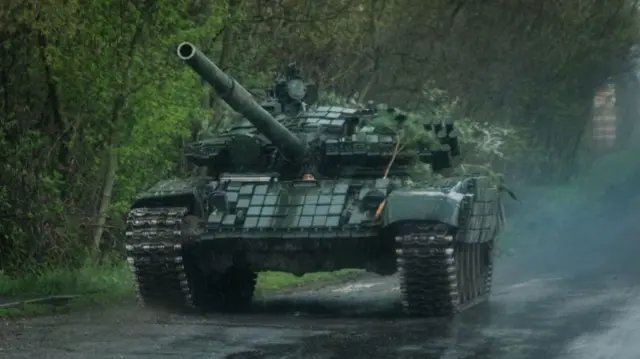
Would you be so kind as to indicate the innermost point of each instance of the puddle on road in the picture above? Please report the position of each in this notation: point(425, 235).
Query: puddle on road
point(358, 287)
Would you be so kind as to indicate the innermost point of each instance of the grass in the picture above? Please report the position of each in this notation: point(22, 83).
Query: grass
point(99, 284)
point(93, 283)
point(275, 281)
point(27, 310)
point(92, 278)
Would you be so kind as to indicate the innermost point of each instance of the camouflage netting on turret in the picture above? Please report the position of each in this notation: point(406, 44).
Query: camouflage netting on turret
point(415, 134)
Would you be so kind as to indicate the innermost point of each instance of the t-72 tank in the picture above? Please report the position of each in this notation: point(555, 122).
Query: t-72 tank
point(307, 190)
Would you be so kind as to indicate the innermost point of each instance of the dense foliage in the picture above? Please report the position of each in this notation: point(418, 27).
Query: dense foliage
point(95, 106)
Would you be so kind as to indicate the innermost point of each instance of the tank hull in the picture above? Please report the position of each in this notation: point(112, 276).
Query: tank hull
point(205, 253)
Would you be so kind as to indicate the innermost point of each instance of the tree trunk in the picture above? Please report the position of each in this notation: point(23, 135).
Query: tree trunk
point(627, 90)
point(367, 87)
point(119, 105)
point(105, 198)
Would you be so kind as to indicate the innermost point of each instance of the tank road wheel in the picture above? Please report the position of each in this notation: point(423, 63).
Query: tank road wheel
point(439, 276)
point(231, 291)
point(237, 286)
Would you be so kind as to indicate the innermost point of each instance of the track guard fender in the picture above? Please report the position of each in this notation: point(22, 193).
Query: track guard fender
point(472, 205)
point(189, 192)
point(424, 204)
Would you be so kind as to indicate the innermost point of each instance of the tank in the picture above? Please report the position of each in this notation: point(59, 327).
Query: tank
point(300, 188)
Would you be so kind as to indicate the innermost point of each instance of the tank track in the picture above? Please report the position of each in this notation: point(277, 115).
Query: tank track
point(155, 254)
point(439, 276)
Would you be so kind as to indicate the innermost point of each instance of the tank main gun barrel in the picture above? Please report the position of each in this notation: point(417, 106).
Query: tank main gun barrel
point(241, 101)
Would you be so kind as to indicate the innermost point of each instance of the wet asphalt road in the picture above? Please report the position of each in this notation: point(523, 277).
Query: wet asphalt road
point(577, 297)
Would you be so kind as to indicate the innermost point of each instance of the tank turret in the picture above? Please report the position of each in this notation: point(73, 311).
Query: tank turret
point(239, 99)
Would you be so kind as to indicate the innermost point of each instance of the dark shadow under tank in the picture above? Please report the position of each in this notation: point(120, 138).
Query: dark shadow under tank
point(304, 188)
